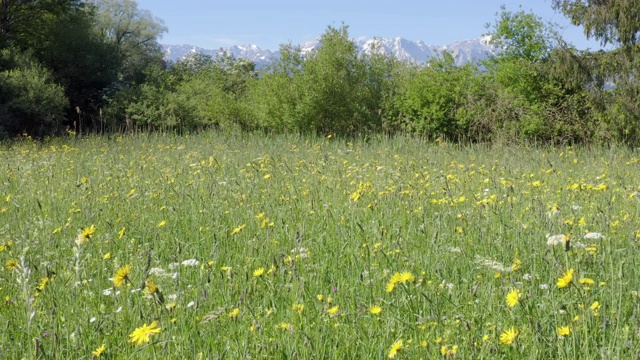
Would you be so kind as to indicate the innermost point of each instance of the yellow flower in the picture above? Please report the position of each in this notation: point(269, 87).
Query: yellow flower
point(12, 264)
point(513, 297)
point(333, 311)
point(375, 309)
point(517, 263)
point(121, 276)
point(448, 352)
point(151, 287)
point(395, 348)
point(563, 331)
point(162, 223)
point(258, 272)
point(595, 307)
point(509, 336)
point(85, 235)
point(299, 308)
point(234, 313)
point(587, 283)
point(98, 352)
point(142, 334)
point(406, 276)
point(43, 284)
point(238, 229)
point(399, 278)
point(565, 279)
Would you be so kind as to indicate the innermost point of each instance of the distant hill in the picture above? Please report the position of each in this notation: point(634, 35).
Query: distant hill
point(464, 51)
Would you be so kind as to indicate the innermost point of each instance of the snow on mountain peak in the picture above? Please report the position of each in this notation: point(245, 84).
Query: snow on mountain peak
point(464, 51)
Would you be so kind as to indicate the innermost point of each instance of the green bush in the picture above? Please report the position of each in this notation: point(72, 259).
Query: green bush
point(31, 101)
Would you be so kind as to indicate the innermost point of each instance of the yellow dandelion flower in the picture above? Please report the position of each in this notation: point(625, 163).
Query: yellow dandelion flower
point(12, 264)
point(565, 279)
point(333, 311)
point(375, 309)
point(142, 335)
point(258, 272)
point(406, 276)
point(395, 348)
point(234, 313)
point(151, 287)
point(299, 308)
point(448, 351)
point(43, 284)
point(509, 336)
point(587, 283)
point(121, 276)
point(285, 326)
point(513, 297)
point(320, 297)
point(85, 234)
point(162, 223)
point(563, 331)
point(595, 307)
point(99, 351)
point(390, 286)
point(238, 229)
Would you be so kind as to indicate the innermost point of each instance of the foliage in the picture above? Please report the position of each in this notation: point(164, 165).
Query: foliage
point(611, 22)
point(31, 101)
point(134, 33)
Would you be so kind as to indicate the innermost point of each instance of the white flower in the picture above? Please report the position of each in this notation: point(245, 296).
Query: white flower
point(576, 207)
point(157, 271)
point(544, 286)
point(594, 236)
point(492, 264)
point(553, 240)
point(191, 304)
point(191, 262)
point(527, 276)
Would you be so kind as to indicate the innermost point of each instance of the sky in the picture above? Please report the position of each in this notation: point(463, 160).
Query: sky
point(270, 23)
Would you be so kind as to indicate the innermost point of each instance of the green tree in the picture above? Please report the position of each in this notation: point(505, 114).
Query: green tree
point(614, 22)
point(23, 23)
point(433, 104)
point(134, 33)
point(30, 101)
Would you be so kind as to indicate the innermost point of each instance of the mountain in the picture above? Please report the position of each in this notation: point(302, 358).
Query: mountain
point(464, 51)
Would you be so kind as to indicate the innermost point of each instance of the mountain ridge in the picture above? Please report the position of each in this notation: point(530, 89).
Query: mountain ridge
point(464, 51)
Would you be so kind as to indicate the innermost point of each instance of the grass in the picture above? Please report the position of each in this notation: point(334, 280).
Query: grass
point(292, 247)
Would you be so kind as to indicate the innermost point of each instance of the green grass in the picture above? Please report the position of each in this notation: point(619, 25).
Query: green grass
point(330, 222)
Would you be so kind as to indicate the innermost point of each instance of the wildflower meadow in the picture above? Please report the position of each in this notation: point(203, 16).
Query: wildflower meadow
point(249, 246)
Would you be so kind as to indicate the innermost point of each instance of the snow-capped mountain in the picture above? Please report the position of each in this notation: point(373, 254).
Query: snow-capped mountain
point(464, 51)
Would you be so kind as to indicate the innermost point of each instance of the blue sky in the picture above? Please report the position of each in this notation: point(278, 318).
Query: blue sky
point(269, 23)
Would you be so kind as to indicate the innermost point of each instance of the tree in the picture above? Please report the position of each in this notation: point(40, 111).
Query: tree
point(23, 23)
point(434, 102)
point(30, 100)
point(133, 32)
point(614, 22)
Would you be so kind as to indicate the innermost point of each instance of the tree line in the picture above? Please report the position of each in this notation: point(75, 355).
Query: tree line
point(87, 67)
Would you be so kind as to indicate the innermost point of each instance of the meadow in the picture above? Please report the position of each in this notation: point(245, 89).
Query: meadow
point(289, 247)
